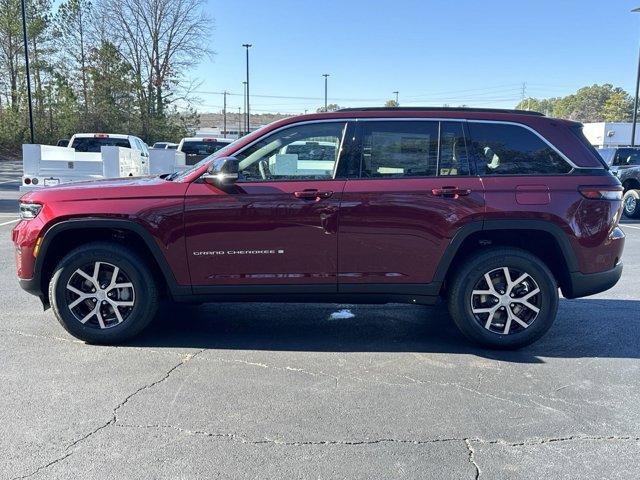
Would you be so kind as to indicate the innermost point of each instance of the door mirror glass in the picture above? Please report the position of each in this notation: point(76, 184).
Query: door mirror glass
point(223, 171)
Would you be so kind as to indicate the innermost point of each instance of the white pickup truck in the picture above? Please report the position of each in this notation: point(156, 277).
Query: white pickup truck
point(88, 156)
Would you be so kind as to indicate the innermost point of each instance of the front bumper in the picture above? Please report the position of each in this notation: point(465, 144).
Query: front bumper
point(584, 284)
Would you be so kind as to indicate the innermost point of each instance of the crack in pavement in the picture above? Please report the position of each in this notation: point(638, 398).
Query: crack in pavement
point(472, 459)
point(114, 418)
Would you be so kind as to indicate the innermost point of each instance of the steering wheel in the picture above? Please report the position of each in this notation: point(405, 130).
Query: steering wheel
point(263, 166)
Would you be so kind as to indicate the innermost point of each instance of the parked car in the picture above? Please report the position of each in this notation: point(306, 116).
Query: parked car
point(165, 145)
point(492, 210)
point(625, 164)
point(198, 148)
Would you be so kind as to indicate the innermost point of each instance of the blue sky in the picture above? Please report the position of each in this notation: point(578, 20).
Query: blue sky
point(433, 52)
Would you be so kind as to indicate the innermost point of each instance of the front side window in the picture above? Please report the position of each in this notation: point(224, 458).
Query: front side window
point(504, 149)
point(304, 152)
point(399, 149)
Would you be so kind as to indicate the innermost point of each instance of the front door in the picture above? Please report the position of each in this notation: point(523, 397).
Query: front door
point(415, 191)
point(278, 224)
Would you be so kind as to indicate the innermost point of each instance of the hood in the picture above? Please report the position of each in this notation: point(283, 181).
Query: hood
point(116, 188)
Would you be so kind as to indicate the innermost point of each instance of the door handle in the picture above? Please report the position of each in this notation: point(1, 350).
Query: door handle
point(450, 192)
point(312, 194)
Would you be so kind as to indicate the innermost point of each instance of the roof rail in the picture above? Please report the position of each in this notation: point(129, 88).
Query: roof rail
point(441, 109)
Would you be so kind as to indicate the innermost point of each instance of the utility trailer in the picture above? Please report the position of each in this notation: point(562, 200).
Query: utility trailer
point(88, 156)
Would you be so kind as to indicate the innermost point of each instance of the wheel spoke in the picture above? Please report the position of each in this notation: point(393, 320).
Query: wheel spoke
point(484, 292)
point(520, 321)
point(507, 325)
point(121, 303)
point(77, 301)
point(520, 279)
point(85, 275)
point(120, 285)
point(489, 320)
point(89, 315)
point(117, 313)
point(530, 306)
point(484, 309)
point(96, 271)
point(487, 278)
point(507, 277)
point(100, 319)
point(114, 278)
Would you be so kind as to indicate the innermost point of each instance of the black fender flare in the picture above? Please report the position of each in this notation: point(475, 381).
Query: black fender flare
point(120, 224)
point(507, 224)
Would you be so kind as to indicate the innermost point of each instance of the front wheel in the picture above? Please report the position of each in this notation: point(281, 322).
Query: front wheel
point(503, 298)
point(103, 293)
point(631, 204)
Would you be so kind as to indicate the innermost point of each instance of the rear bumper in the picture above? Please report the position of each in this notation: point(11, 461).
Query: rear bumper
point(584, 284)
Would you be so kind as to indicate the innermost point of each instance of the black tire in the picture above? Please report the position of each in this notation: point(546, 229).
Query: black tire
point(472, 274)
point(631, 204)
point(143, 294)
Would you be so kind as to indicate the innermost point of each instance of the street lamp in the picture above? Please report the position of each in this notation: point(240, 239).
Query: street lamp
point(247, 46)
point(397, 103)
point(246, 121)
point(635, 102)
point(26, 64)
point(325, 75)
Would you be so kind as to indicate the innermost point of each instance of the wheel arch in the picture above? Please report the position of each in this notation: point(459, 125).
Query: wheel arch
point(543, 239)
point(63, 236)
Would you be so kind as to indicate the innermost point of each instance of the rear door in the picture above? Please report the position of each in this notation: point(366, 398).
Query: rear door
point(414, 192)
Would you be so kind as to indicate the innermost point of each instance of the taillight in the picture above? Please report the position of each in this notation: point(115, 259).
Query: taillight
point(27, 181)
point(594, 192)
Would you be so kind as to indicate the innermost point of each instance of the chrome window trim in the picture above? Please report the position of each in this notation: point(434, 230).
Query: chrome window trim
point(409, 119)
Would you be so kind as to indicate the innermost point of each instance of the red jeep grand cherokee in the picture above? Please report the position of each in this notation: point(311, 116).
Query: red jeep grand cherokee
point(494, 210)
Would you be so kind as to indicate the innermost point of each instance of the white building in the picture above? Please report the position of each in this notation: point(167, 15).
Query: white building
point(610, 134)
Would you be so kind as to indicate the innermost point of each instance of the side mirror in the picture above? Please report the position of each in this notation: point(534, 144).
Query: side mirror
point(223, 171)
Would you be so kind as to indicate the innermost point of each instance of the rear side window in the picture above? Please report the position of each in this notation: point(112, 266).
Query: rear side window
point(399, 149)
point(202, 147)
point(503, 149)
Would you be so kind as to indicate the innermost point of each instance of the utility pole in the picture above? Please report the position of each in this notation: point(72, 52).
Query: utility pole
point(325, 75)
point(239, 122)
point(524, 94)
point(26, 64)
point(224, 114)
point(397, 102)
point(247, 46)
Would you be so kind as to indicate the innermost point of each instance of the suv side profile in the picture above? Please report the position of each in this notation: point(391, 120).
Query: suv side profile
point(493, 210)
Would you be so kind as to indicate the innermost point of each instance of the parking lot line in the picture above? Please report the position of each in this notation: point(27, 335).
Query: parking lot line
point(9, 222)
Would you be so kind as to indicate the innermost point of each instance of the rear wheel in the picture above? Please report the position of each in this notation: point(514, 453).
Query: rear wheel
point(631, 203)
point(503, 298)
point(103, 293)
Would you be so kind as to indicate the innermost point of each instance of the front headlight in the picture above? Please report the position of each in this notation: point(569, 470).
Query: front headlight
point(29, 210)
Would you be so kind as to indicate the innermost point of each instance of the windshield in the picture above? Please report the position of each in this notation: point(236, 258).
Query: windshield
point(204, 147)
point(93, 145)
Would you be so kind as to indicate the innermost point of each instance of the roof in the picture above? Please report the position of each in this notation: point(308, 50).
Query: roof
point(440, 109)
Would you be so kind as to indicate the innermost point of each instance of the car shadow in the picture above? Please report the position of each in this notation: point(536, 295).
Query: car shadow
point(584, 328)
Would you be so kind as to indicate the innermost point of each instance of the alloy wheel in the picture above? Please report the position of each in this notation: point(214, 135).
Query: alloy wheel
point(506, 300)
point(100, 295)
point(630, 204)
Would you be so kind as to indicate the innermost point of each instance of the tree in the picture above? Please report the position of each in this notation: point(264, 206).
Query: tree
point(596, 103)
point(332, 107)
point(72, 34)
point(391, 104)
point(161, 39)
point(10, 50)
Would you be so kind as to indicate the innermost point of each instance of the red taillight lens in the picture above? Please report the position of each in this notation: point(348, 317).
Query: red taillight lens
point(27, 181)
point(594, 192)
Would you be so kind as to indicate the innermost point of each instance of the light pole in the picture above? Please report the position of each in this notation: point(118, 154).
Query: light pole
point(246, 121)
point(239, 122)
point(635, 102)
point(224, 114)
point(325, 75)
point(247, 46)
point(397, 102)
point(26, 64)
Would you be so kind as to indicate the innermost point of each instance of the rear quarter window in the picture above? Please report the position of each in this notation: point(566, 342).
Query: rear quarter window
point(506, 149)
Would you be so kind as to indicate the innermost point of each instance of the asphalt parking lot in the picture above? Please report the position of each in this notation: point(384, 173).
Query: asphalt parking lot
point(322, 391)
